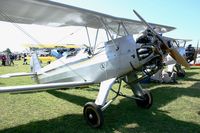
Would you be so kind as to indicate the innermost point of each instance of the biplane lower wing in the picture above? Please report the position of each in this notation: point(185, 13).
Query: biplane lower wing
point(10, 75)
point(42, 87)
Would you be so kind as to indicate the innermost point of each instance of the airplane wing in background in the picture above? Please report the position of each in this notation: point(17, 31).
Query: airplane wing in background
point(49, 13)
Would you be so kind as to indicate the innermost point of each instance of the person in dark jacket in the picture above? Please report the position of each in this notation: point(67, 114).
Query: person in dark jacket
point(3, 59)
point(12, 57)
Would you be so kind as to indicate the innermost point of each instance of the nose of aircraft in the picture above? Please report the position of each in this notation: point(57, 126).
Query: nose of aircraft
point(172, 51)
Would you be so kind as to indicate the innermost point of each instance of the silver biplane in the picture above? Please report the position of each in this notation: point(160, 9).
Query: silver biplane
point(117, 60)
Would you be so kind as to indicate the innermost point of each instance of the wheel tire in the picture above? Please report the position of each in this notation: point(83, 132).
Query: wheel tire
point(181, 73)
point(147, 102)
point(93, 115)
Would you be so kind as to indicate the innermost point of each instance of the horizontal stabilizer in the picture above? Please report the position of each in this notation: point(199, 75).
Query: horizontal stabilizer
point(42, 87)
point(9, 75)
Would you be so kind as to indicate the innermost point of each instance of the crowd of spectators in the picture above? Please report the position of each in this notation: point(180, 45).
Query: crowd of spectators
point(8, 59)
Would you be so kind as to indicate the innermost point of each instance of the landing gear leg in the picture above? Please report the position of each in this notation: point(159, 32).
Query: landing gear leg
point(93, 111)
point(145, 99)
point(180, 72)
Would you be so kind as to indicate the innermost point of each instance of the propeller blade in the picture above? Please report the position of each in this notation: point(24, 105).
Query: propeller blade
point(152, 30)
point(175, 54)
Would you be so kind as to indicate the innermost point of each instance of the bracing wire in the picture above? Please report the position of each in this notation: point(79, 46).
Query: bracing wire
point(31, 37)
point(70, 34)
point(17, 26)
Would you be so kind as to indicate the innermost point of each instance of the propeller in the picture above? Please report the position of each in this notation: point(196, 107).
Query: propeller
point(172, 51)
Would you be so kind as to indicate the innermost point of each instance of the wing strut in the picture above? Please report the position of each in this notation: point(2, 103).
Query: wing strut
point(107, 30)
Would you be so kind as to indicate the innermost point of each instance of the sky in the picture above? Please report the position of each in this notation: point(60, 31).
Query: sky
point(182, 14)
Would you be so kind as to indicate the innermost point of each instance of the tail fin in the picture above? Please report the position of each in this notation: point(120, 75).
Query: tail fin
point(35, 63)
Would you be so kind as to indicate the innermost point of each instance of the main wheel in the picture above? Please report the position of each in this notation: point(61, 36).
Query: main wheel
point(93, 115)
point(181, 73)
point(146, 100)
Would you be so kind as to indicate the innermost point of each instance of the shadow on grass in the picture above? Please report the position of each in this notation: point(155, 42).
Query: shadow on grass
point(123, 117)
point(2, 83)
point(195, 67)
point(78, 100)
point(188, 76)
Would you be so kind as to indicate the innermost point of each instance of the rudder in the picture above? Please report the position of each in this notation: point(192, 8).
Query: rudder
point(35, 63)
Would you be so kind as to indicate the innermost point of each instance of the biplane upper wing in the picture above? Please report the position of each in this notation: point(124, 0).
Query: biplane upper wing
point(45, 12)
point(177, 39)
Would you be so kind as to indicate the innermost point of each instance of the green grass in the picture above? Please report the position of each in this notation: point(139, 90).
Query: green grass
point(176, 108)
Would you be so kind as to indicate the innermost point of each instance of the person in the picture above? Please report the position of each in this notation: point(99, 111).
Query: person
point(3, 58)
point(12, 59)
point(25, 59)
point(190, 52)
point(163, 76)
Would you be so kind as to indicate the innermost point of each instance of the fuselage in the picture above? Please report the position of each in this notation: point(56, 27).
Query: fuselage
point(112, 60)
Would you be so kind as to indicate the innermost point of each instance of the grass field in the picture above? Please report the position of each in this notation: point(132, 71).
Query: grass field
point(176, 108)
